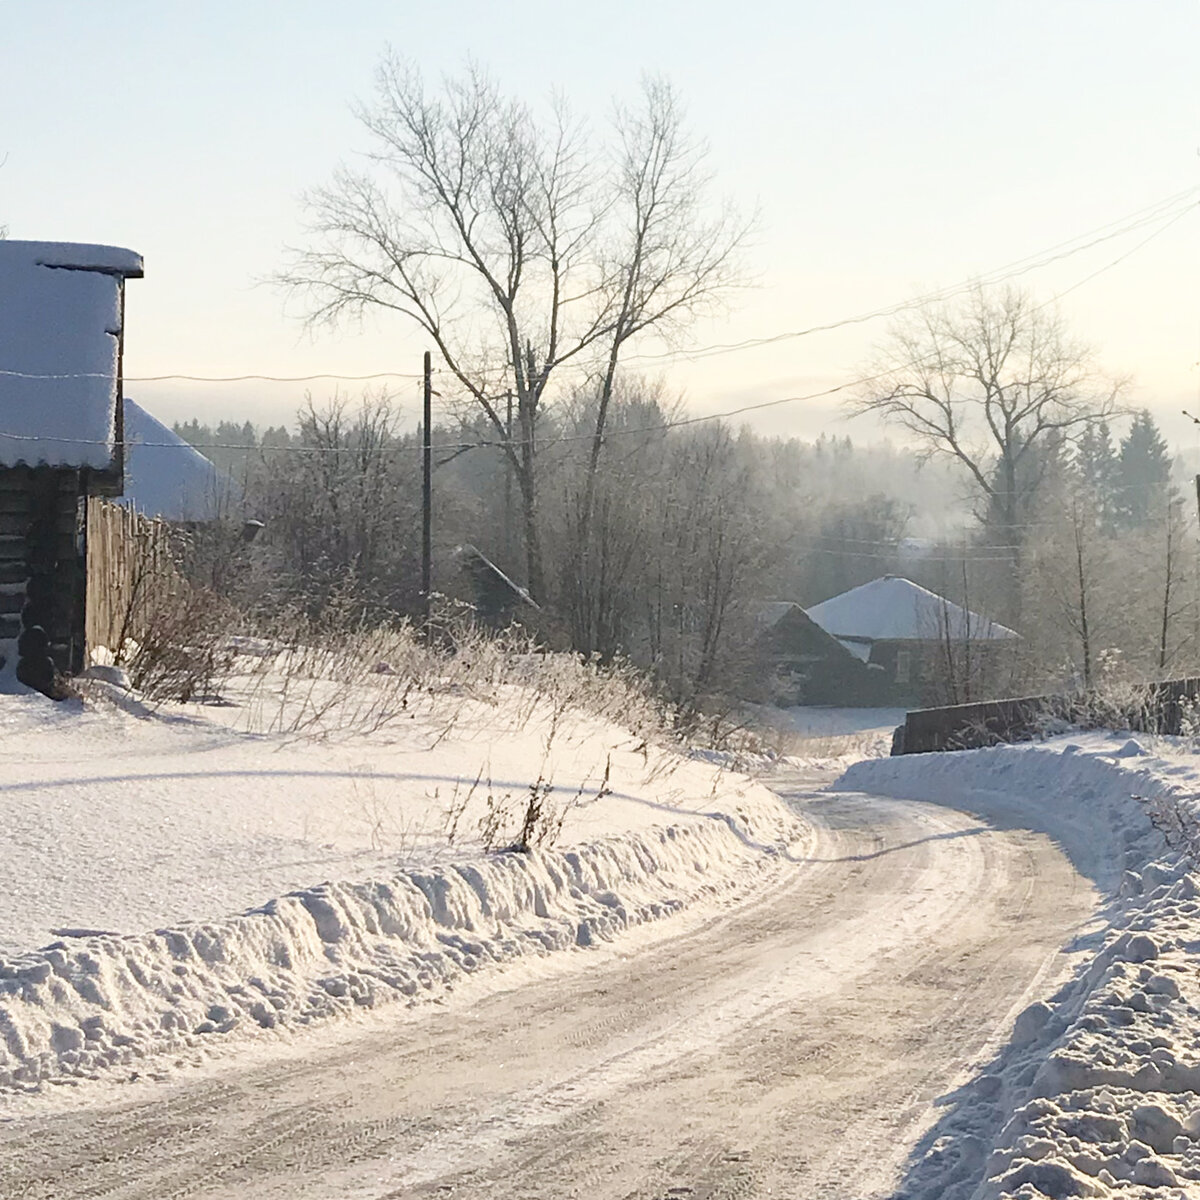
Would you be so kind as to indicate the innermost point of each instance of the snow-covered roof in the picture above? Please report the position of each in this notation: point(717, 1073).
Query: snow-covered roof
point(164, 476)
point(60, 328)
point(893, 608)
point(485, 571)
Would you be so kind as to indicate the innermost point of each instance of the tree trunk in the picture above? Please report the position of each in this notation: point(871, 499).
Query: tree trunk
point(1168, 587)
point(527, 482)
point(1084, 634)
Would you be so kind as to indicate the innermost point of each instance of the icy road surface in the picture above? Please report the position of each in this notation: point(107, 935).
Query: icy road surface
point(796, 1045)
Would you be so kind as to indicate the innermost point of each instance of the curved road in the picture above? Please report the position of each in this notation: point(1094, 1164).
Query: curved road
point(791, 1046)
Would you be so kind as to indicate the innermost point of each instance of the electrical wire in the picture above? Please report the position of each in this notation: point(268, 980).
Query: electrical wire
point(273, 378)
point(1172, 217)
point(213, 378)
point(1172, 208)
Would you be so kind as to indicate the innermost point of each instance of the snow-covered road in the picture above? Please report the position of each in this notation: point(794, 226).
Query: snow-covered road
point(796, 1045)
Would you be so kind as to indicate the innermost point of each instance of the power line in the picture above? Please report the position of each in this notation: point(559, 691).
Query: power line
point(1172, 208)
point(1172, 218)
point(212, 378)
point(271, 378)
point(471, 445)
point(1121, 258)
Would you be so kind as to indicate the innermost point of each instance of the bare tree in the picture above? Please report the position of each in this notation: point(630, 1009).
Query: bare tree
point(1171, 580)
point(991, 383)
point(529, 256)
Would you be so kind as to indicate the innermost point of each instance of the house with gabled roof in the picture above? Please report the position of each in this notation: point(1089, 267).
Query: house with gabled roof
point(799, 663)
point(62, 440)
point(914, 639)
point(167, 477)
point(888, 642)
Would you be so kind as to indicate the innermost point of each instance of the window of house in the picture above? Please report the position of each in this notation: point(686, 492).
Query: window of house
point(903, 666)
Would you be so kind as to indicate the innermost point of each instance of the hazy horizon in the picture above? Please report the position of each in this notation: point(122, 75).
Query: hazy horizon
point(889, 152)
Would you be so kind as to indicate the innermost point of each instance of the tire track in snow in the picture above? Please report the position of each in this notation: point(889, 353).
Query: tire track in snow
point(724, 1062)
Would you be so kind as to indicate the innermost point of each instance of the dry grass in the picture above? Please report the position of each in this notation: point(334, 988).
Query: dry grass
point(323, 683)
point(306, 681)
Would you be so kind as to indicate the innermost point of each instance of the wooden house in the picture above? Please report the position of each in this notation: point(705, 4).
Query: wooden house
point(797, 662)
point(887, 643)
point(919, 646)
point(61, 440)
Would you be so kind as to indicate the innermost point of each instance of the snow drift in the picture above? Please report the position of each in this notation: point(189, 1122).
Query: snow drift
point(102, 1001)
point(1097, 1091)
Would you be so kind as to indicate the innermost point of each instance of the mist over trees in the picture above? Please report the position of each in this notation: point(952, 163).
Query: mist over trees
point(996, 383)
point(695, 525)
point(532, 251)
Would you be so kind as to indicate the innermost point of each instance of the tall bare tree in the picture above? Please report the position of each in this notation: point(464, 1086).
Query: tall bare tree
point(527, 252)
point(992, 382)
point(1173, 549)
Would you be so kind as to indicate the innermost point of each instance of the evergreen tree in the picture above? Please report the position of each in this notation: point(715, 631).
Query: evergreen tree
point(1143, 476)
point(1096, 467)
point(1041, 478)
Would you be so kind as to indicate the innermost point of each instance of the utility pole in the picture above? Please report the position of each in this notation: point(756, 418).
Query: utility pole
point(427, 494)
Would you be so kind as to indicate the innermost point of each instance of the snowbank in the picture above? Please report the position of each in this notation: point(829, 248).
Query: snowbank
point(117, 824)
point(1097, 1091)
point(75, 1007)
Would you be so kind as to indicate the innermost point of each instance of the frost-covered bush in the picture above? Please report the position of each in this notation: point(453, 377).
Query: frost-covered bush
point(331, 678)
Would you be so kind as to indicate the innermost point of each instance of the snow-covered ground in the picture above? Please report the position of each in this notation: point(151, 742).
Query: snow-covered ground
point(162, 894)
point(823, 721)
point(167, 878)
point(1097, 1093)
point(820, 733)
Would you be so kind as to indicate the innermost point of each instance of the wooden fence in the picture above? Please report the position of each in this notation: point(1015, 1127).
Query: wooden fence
point(131, 573)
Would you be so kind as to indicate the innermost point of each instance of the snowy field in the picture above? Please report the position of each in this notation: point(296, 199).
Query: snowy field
point(174, 884)
point(1097, 1091)
point(164, 878)
point(823, 733)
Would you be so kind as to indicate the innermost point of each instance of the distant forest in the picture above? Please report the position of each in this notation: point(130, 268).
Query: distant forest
point(695, 524)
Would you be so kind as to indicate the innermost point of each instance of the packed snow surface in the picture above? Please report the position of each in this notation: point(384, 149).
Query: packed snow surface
point(819, 721)
point(1097, 1091)
point(829, 735)
point(169, 884)
point(60, 320)
point(896, 608)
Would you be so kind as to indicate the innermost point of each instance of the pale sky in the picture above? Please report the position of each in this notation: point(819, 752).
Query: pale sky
point(890, 149)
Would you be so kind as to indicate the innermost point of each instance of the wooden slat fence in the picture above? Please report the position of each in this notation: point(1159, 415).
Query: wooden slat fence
point(131, 573)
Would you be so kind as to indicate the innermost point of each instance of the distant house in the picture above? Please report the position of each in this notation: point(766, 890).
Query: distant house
point(497, 599)
point(166, 477)
point(62, 439)
point(799, 663)
point(917, 642)
point(887, 643)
